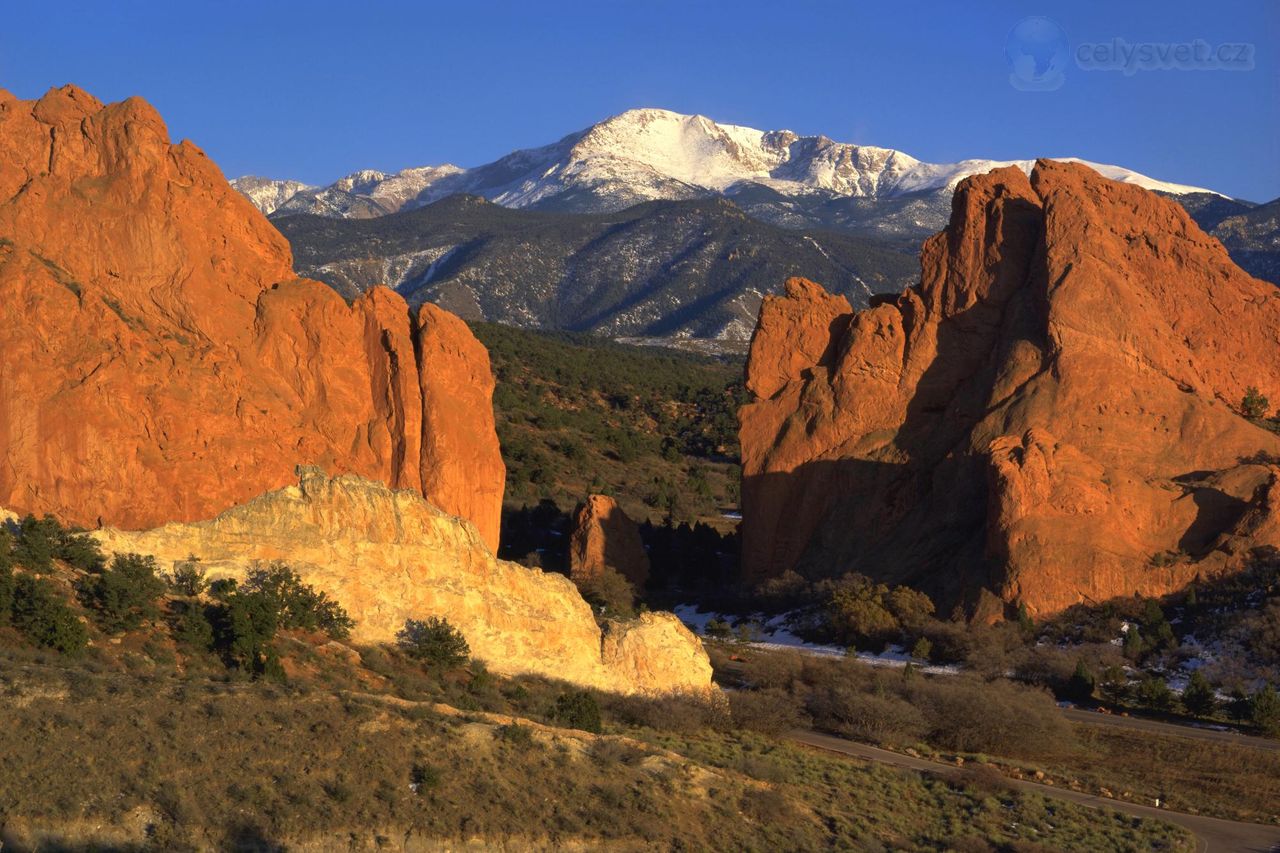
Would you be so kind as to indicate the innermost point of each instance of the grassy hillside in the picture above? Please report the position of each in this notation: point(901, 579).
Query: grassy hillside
point(654, 428)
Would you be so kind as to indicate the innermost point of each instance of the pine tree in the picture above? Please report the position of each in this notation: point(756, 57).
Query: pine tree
point(1081, 685)
point(1198, 697)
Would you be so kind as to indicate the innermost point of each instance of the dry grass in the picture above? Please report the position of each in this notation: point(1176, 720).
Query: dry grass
point(889, 809)
point(216, 765)
point(122, 750)
point(1200, 777)
point(1020, 730)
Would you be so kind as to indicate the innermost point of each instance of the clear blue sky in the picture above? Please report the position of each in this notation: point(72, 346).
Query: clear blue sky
point(312, 90)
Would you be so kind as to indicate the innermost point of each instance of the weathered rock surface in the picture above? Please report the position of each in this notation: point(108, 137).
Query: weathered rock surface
point(605, 537)
point(1049, 417)
point(159, 361)
point(388, 556)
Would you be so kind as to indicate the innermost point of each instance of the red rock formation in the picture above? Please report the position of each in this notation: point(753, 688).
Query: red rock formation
point(160, 362)
point(460, 474)
point(605, 537)
point(1049, 417)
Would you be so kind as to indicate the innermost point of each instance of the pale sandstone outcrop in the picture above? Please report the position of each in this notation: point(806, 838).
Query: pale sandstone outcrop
point(1049, 417)
point(388, 556)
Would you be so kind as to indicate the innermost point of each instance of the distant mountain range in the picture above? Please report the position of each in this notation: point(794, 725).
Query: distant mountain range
point(667, 269)
point(1249, 232)
point(654, 223)
point(657, 155)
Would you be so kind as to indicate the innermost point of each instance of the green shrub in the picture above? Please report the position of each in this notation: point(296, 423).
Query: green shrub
point(223, 588)
point(1134, 645)
point(1254, 404)
point(249, 615)
point(867, 615)
point(297, 605)
point(424, 777)
point(36, 543)
point(857, 614)
point(434, 642)
point(718, 628)
point(79, 549)
point(187, 577)
point(124, 595)
point(578, 709)
point(6, 577)
point(1154, 693)
point(193, 628)
point(249, 625)
point(609, 592)
point(41, 541)
point(516, 735)
point(40, 613)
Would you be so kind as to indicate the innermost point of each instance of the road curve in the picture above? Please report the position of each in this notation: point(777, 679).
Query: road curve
point(1212, 834)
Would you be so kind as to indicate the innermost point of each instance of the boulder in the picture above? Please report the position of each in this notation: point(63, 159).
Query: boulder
point(1051, 416)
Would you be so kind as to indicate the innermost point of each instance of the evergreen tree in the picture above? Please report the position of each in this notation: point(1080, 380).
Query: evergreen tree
point(6, 577)
point(1264, 711)
point(1198, 697)
point(40, 613)
point(1155, 693)
point(125, 594)
point(1081, 684)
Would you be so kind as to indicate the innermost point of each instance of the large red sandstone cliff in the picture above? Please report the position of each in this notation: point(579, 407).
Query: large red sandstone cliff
point(159, 360)
point(1049, 417)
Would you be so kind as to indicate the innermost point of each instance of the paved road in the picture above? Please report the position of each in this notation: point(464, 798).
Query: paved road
point(1212, 834)
point(1076, 715)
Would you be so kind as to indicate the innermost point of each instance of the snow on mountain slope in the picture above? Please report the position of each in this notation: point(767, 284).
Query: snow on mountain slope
point(651, 154)
point(268, 194)
point(360, 195)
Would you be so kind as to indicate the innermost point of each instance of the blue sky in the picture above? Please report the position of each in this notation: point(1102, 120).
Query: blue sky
point(317, 89)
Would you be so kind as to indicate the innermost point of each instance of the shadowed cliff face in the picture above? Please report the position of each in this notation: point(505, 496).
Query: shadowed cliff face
point(159, 361)
point(1052, 407)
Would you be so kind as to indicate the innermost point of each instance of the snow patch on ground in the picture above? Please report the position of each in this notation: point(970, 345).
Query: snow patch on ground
point(774, 634)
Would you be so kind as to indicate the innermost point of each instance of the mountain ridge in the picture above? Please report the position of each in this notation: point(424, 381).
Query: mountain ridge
point(671, 269)
point(650, 154)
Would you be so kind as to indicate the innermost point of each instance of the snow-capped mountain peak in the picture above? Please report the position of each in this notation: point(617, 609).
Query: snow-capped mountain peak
point(650, 154)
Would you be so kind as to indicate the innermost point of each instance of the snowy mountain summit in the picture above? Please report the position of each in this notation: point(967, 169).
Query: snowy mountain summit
point(652, 154)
